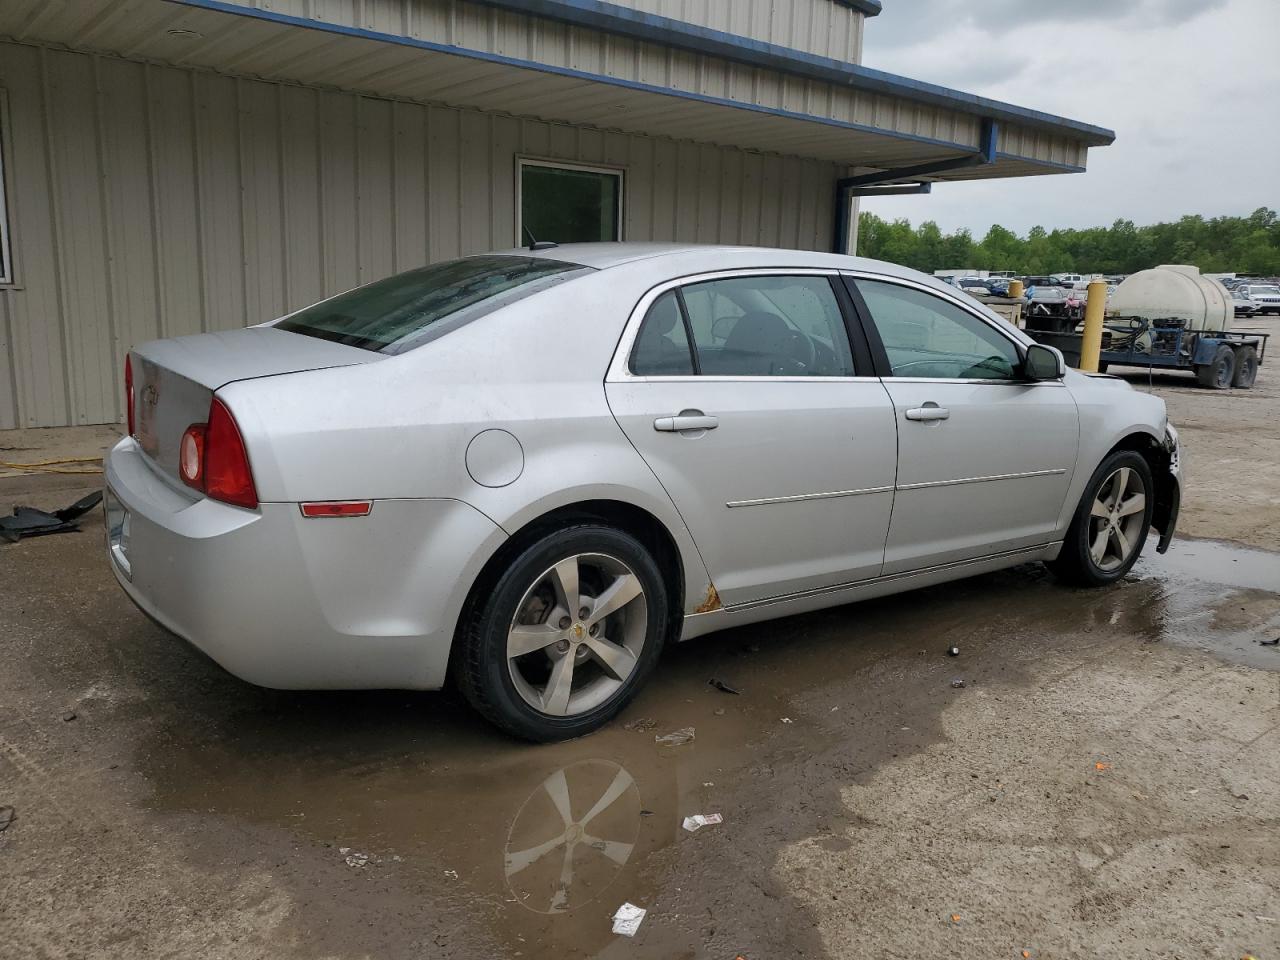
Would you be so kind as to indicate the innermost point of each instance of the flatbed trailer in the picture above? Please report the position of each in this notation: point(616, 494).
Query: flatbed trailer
point(1219, 358)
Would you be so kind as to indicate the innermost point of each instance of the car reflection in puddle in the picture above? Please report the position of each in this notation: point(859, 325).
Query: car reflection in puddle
point(573, 836)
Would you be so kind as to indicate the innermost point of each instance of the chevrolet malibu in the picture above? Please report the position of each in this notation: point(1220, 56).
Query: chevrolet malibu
point(528, 471)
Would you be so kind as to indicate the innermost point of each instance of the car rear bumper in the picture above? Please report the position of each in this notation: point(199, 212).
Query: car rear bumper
point(294, 603)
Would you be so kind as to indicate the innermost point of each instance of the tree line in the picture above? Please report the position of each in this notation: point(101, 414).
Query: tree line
point(1246, 245)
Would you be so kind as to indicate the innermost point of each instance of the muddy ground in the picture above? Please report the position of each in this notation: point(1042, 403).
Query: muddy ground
point(1105, 783)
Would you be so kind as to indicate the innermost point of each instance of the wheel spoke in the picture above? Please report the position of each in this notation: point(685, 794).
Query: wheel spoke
point(1135, 504)
point(1099, 548)
point(615, 850)
point(555, 698)
point(617, 660)
point(1121, 485)
point(617, 595)
point(557, 788)
point(1100, 509)
point(564, 576)
point(527, 638)
point(523, 859)
point(622, 782)
point(1121, 542)
point(566, 880)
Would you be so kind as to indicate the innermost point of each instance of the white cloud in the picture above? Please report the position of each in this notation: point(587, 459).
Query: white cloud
point(1191, 87)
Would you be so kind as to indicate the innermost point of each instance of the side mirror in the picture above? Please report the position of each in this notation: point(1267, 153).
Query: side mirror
point(1044, 363)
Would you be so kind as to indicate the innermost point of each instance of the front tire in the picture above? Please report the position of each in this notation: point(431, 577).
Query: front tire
point(566, 636)
point(1110, 525)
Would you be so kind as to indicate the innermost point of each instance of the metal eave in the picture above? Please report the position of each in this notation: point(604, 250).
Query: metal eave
point(652, 28)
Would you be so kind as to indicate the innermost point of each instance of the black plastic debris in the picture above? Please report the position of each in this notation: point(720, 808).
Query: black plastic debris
point(953, 651)
point(722, 686)
point(1270, 643)
point(7, 816)
point(30, 522)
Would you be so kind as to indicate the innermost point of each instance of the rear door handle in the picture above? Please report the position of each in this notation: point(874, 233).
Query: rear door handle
point(682, 423)
point(929, 412)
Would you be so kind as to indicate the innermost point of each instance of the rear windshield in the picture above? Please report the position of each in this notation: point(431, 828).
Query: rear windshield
point(411, 308)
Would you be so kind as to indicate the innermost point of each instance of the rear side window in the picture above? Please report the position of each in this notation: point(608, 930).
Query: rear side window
point(757, 326)
point(411, 308)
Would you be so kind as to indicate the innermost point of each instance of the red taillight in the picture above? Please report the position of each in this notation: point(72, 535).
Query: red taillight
point(212, 458)
point(227, 476)
point(128, 390)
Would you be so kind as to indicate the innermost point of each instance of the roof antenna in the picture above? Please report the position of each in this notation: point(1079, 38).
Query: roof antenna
point(535, 244)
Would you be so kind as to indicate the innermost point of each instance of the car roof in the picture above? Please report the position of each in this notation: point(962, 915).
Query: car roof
point(696, 257)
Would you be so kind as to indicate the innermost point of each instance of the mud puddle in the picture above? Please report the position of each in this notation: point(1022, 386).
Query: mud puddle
point(401, 825)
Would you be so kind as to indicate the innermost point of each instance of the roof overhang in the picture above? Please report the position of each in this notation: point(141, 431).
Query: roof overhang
point(815, 107)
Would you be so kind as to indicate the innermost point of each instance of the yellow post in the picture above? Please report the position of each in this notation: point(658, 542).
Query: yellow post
point(1095, 309)
point(1016, 289)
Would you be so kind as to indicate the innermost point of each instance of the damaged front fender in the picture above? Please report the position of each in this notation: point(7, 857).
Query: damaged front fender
point(1167, 472)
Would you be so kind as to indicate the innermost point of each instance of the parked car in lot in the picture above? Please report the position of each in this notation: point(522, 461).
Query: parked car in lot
point(530, 470)
point(974, 285)
point(1265, 296)
point(1245, 305)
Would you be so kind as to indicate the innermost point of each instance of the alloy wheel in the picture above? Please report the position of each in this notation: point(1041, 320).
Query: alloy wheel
point(577, 634)
point(1116, 519)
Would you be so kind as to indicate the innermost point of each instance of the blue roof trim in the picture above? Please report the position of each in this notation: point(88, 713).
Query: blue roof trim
point(868, 8)
point(638, 25)
point(324, 26)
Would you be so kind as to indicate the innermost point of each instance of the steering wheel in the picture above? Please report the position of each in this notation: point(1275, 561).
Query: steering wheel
point(800, 348)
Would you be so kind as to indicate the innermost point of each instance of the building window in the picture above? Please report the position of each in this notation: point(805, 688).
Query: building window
point(568, 203)
point(6, 252)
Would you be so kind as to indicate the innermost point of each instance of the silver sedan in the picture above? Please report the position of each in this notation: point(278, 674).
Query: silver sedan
point(528, 471)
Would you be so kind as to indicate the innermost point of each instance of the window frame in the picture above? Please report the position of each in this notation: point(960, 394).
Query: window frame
point(881, 358)
point(526, 161)
point(863, 355)
point(8, 278)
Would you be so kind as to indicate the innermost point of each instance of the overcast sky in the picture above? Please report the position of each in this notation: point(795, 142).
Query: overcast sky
point(1191, 87)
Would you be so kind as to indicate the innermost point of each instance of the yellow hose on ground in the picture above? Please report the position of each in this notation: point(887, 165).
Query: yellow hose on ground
point(52, 466)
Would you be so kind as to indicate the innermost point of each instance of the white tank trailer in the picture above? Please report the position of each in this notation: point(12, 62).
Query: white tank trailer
point(1172, 317)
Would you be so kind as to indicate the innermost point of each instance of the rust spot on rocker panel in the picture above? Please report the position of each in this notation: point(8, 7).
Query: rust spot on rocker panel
point(712, 601)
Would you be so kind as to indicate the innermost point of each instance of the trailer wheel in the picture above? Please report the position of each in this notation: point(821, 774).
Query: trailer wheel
point(1246, 368)
point(1217, 374)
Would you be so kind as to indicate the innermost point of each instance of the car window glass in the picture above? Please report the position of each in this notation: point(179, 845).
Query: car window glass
point(662, 346)
point(925, 336)
point(768, 326)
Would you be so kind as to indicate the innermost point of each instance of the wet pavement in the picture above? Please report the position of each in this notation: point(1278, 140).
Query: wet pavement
point(394, 824)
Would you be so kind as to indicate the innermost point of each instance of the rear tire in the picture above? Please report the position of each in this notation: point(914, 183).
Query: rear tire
point(1217, 374)
point(567, 634)
point(1110, 525)
point(1246, 368)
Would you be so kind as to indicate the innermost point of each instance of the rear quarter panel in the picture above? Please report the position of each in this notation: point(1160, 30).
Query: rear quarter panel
point(399, 429)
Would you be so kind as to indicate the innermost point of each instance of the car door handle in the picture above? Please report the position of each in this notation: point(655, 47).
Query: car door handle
point(929, 412)
point(681, 423)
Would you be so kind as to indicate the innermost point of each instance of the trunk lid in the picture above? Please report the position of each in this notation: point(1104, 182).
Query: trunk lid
point(174, 380)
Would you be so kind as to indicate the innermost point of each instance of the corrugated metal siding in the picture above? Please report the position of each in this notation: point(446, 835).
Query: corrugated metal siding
point(822, 27)
point(155, 201)
point(474, 26)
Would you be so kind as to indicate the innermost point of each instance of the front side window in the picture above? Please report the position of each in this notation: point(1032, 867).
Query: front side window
point(569, 203)
point(407, 310)
point(925, 336)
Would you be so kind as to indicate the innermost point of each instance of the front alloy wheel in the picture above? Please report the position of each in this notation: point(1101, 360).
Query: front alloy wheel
point(1110, 524)
point(561, 638)
point(1117, 519)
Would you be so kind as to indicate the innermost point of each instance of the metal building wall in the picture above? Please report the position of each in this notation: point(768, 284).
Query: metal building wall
point(822, 27)
point(151, 201)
